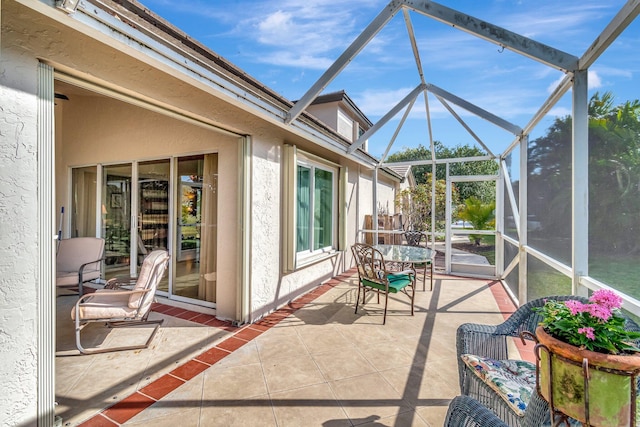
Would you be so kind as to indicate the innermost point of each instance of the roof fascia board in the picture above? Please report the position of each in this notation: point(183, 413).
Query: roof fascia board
point(618, 24)
point(502, 37)
point(114, 25)
point(484, 114)
point(343, 60)
point(409, 98)
point(347, 101)
point(464, 124)
point(160, 54)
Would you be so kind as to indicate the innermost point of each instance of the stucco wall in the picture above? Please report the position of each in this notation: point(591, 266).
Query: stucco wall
point(18, 236)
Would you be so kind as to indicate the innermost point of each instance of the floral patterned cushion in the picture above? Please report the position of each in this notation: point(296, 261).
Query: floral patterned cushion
point(513, 380)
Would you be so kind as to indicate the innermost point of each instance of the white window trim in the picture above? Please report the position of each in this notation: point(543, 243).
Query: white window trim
point(292, 259)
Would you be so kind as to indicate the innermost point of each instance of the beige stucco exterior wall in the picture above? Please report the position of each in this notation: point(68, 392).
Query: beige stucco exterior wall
point(19, 279)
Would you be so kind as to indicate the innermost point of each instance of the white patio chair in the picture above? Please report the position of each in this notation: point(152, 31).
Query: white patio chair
point(122, 307)
point(78, 261)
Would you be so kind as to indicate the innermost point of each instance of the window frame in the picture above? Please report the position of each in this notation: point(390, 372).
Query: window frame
point(292, 259)
point(313, 166)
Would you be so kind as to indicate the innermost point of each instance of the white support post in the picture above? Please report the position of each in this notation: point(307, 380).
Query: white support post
point(499, 243)
point(433, 205)
point(522, 208)
point(447, 234)
point(375, 206)
point(46, 248)
point(244, 232)
point(580, 183)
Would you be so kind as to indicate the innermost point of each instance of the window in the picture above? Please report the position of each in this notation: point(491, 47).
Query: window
point(315, 202)
point(311, 208)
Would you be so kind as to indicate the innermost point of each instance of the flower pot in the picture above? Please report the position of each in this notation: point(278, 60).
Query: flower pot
point(591, 387)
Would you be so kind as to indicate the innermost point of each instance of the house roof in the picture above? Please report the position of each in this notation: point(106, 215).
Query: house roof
point(405, 171)
point(341, 96)
point(140, 18)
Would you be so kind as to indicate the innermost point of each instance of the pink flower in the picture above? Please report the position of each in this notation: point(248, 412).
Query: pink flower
point(576, 307)
point(606, 298)
point(588, 332)
point(599, 311)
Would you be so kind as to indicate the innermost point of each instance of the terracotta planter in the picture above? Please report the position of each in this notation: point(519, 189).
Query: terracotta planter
point(610, 387)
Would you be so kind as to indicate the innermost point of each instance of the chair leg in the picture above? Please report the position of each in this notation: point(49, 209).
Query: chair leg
point(386, 300)
point(430, 276)
point(413, 295)
point(118, 324)
point(358, 298)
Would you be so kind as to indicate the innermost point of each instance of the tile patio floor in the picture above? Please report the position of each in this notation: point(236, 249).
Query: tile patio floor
point(313, 363)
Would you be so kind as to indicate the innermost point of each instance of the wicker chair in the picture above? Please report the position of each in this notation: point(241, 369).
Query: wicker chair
point(464, 411)
point(492, 341)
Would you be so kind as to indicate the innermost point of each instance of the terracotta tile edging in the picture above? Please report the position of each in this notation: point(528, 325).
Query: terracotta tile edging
point(132, 405)
point(507, 307)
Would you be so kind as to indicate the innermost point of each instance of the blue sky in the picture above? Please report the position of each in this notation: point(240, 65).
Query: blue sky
point(288, 44)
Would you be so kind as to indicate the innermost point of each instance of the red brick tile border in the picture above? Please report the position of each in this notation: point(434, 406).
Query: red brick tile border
point(132, 405)
point(507, 307)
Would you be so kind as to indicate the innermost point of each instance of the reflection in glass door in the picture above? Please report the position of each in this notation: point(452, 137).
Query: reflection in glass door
point(116, 219)
point(142, 208)
point(153, 211)
point(83, 202)
point(196, 231)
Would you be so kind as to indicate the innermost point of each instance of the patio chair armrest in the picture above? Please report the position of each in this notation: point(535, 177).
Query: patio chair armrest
point(99, 295)
point(120, 283)
point(478, 339)
point(83, 266)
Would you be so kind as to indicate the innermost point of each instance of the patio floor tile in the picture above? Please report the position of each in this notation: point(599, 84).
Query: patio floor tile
point(316, 364)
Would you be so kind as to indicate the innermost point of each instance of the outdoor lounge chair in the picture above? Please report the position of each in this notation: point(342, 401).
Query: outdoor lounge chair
point(506, 386)
point(78, 261)
point(373, 275)
point(415, 238)
point(120, 307)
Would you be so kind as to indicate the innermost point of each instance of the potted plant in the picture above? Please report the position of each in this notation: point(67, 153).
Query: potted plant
point(587, 361)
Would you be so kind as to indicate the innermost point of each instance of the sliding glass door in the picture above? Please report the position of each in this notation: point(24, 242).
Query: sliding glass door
point(116, 219)
point(196, 231)
point(167, 204)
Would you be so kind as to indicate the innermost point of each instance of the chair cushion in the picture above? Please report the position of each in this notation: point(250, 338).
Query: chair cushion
point(151, 272)
point(105, 306)
point(397, 282)
point(512, 380)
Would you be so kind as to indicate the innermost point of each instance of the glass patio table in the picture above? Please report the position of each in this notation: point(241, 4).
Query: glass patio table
point(415, 256)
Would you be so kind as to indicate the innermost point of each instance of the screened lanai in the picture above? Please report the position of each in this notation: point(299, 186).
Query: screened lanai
point(566, 201)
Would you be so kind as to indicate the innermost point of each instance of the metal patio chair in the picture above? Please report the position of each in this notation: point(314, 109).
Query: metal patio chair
point(121, 307)
point(415, 238)
point(373, 275)
point(78, 260)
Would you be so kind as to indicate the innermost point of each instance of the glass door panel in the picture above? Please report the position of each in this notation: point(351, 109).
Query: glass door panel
point(116, 219)
point(196, 236)
point(83, 202)
point(153, 211)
